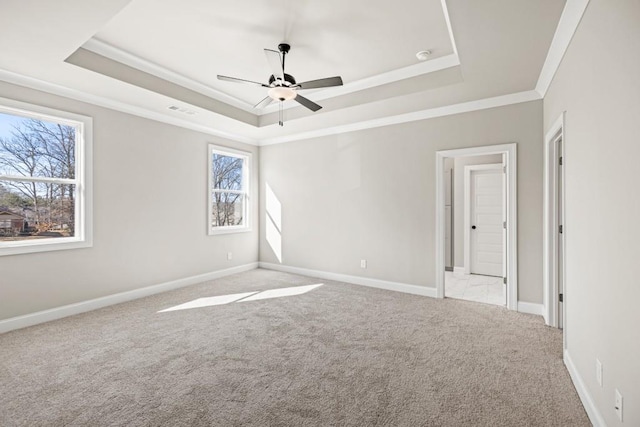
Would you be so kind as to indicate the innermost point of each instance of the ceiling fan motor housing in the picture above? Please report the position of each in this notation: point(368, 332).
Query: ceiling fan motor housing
point(284, 47)
point(288, 80)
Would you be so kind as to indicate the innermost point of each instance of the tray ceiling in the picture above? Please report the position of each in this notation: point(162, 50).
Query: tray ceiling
point(144, 56)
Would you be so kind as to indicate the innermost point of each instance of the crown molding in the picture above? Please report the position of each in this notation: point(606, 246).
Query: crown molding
point(55, 89)
point(464, 107)
point(567, 26)
point(445, 10)
point(107, 50)
point(426, 67)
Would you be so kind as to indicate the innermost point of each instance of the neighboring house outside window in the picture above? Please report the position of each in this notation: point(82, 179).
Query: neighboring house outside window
point(45, 192)
point(228, 190)
point(11, 223)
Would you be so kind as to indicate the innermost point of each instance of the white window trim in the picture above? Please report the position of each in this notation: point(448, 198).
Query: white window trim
point(246, 176)
point(84, 179)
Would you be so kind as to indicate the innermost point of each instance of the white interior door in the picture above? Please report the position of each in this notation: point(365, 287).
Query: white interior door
point(505, 235)
point(486, 209)
point(448, 235)
point(448, 238)
point(560, 240)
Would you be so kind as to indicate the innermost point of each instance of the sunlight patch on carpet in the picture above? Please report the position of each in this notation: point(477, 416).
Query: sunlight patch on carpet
point(282, 292)
point(247, 296)
point(209, 301)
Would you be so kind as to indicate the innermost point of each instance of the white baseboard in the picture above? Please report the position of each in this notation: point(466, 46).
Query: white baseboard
point(355, 280)
point(93, 304)
point(594, 415)
point(530, 308)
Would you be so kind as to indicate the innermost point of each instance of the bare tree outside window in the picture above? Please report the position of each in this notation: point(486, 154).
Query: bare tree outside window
point(37, 179)
point(228, 190)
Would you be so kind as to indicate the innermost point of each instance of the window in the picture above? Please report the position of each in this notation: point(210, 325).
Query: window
point(44, 179)
point(228, 190)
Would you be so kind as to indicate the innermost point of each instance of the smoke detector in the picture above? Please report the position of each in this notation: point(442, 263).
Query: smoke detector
point(423, 55)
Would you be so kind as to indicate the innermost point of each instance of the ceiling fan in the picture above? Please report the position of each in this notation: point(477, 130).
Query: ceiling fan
point(282, 86)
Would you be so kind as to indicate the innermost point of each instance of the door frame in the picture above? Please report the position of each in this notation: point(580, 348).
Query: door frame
point(551, 223)
point(509, 151)
point(467, 208)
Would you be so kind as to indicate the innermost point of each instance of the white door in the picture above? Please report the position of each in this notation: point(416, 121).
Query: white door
point(504, 227)
point(448, 260)
point(448, 235)
point(559, 220)
point(486, 222)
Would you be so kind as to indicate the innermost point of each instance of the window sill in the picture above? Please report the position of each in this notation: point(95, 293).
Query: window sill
point(58, 244)
point(229, 230)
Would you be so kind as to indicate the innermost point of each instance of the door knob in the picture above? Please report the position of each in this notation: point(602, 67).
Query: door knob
point(473, 227)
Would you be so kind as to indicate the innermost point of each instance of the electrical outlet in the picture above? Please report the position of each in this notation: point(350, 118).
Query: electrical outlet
point(618, 405)
point(599, 372)
point(229, 256)
point(363, 263)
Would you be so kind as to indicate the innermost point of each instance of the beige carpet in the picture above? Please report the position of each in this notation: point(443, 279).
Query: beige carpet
point(338, 355)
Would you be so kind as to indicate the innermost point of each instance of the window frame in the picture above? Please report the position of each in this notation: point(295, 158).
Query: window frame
point(83, 229)
point(246, 187)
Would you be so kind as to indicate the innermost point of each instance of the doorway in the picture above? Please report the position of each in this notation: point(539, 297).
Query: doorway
point(554, 226)
point(490, 255)
point(560, 240)
point(478, 218)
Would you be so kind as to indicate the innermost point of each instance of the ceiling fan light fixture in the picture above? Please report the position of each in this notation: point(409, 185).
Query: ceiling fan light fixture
point(282, 86)
point(281, 93)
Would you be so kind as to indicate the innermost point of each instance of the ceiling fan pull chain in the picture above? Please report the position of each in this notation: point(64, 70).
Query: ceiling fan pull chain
point(281, 121)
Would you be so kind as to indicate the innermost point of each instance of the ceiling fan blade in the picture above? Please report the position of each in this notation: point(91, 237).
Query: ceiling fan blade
point(307, 103)
point(328, 82)
point(236, 80)
point(264, 102)
point(275, 62)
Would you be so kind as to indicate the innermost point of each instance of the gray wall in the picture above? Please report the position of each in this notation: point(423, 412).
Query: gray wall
point(370, 195)
point(598, 86)
point(149, 214)
point(458, 199)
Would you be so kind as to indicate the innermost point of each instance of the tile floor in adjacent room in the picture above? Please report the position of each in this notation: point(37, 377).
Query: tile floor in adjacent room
point(474, 287)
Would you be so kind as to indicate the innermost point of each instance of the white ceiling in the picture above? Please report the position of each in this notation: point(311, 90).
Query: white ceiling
point(143, 56)
point(200, 38)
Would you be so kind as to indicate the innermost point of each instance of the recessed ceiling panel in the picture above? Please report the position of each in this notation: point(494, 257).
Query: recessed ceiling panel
point(199, 39)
